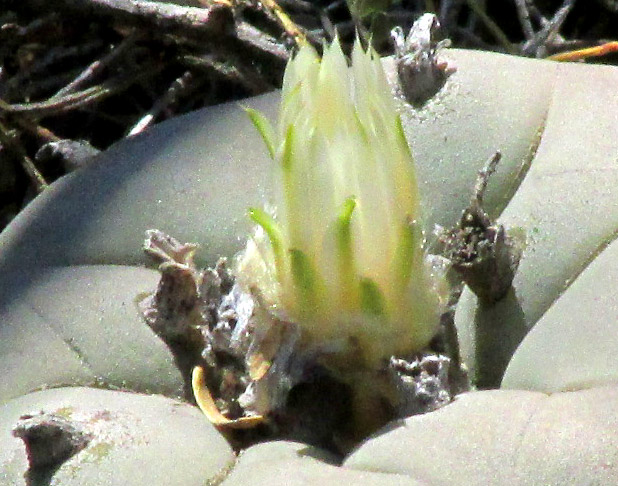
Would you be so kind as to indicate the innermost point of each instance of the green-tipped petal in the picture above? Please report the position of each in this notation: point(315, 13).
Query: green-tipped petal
point(333, 89)
point(272, 230)
point(401, 137)
point(294, 211)
point(303, 68)
point(265, 128)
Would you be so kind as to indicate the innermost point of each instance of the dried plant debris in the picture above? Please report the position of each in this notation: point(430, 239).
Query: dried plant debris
point(424, 383)
point(88, 73)
point(172, 312)
point(69, 88)
point(254, 378)
point(421, 73)
point(69, 436)
point(50, 439)
point(207, 307)
point(539, 44)
point(484, 253)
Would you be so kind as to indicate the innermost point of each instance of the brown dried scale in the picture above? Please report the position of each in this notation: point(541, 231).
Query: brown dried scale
point(484, 253)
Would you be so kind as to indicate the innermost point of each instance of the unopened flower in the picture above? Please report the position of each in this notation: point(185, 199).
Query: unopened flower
point(342, 253)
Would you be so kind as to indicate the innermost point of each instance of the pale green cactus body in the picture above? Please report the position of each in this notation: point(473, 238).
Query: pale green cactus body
point(344, 257)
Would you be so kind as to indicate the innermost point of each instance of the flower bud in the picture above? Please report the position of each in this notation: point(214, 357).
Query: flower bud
point(342, 255)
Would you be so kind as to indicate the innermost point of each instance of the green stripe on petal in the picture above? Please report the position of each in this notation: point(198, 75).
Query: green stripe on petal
point(345, 253)
point(305, 279)
point(293, 205)
point(288, 149)
point(409, 243)
point(372, 299)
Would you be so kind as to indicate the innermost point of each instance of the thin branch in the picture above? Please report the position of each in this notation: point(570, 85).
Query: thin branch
point(449, 12)
point(41, 68)
point(35, 129)
point(76, 100)
point(493, 28)
point(249, 80)
point(473, 39)
point(213, 20)
point(536, 46)
point(9, 143)
point(258, 40)
point(94, 69)
point(299, 5)
point(582, 54)
point(178, 87)
point(288, 25)
point(524, 18)
point(327, 26)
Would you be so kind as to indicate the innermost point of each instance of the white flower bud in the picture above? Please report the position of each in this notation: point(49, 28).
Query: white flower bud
point(343, 257)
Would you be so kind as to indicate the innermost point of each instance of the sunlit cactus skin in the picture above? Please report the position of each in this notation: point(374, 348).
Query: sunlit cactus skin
point(342, 254)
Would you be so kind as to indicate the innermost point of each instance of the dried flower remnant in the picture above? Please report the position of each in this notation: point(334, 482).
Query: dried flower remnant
point(421, 73)
point(484, 253)
point(172, 311)
point(423, 383)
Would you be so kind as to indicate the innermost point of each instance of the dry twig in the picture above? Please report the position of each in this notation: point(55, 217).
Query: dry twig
point(231, 72)
point(211, 21)
point(524, 18)
point(97, 67)
point(180, 86)
point(293, 31)
point(54, 106)
point(9, 143)
point(537, 45)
